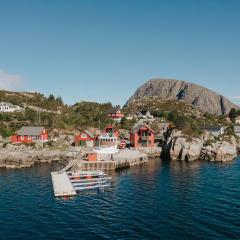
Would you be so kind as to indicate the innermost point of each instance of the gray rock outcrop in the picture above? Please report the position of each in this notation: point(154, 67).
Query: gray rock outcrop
point(201, 97)
point(12, 156)
point(219, 152)
point(205, 147)
point(183, 149)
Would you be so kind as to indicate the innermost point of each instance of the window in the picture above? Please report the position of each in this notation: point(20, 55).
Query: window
point(84, 135)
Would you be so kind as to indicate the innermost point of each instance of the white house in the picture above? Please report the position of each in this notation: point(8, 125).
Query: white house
point(237, 120)
point(145, 115)
point(214, 130)
point(9, 107)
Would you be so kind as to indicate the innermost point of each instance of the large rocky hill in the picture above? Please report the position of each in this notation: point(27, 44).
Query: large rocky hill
point(200, 97)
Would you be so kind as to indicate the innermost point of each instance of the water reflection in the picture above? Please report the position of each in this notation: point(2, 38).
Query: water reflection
point(158, 200)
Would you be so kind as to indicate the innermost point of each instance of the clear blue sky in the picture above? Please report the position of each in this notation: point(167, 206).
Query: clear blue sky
point(103, 50)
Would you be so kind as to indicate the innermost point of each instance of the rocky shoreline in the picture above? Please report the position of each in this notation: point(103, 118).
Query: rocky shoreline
point(177, 147)
point(184, 148)
point(12, 156)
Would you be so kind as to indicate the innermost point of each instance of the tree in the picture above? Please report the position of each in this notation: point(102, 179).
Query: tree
point(51, 98)
point(59, 100)
point(233, 114)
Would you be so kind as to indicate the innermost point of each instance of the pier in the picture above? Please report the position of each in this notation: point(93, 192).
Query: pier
point(62, 185)
point(125, 158)
point(80, 174)
point(67, 184)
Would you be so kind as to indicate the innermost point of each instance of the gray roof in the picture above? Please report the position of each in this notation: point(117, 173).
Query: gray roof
point(139, 126)
point(237, 129)
point(211, 128)
point(30, 131)
point(8, 104)
point(164, 125)
point(114, 110)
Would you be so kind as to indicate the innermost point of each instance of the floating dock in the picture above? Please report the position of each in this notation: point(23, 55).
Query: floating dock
point(69, 183)
point(62, 185)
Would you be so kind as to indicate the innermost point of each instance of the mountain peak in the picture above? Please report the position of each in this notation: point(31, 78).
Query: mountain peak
point(201, 97)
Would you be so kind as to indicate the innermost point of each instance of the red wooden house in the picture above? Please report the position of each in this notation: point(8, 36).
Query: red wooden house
point(30, 134)
point(115, 114)
point(142, 136)
point(85, 138)
point(111, 130)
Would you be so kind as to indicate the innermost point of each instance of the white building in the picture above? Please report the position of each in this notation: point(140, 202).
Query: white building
point(9, 107)
point(237, 120)
point(145, 115)
point(214, 130)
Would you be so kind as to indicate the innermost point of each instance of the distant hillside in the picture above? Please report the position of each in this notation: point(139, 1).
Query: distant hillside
point(90, 113)
point(198, 96)
point(183, 115)
point(158, 106)
point(25, 99)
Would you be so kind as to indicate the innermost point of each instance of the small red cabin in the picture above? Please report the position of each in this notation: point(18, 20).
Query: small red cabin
point(30, 134)
point(142, 136)
point(85, 138)
point(115, 114)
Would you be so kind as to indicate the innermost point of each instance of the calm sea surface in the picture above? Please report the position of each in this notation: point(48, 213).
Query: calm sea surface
point(160, 200)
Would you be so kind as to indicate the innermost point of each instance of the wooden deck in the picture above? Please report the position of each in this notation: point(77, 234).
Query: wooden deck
point(62, 185)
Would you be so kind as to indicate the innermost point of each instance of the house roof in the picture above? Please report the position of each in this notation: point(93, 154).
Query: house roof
point(143, 112)
point(89, 133)
point(211, 128)
point(30, 131)
point(8, 104)
point(164, 125)
point(139, 126)
point(237, 129)
point(114, 110)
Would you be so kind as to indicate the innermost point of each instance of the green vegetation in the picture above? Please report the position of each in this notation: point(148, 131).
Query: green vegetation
point(86, 114)
point(126, 124)
point(51, 113)
point(184, 116)
point(233, 114)
point(33, 99)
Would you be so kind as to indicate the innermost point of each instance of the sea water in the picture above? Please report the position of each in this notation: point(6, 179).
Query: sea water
point(158, 200)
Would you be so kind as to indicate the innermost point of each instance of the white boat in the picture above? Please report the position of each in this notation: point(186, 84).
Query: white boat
point(108, 144)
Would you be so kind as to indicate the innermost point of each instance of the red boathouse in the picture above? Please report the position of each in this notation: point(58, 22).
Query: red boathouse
point(142, 136)
point(30, 134)
point(85, 139)
point(115, 114)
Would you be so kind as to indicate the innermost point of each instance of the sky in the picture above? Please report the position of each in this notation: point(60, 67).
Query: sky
point(103, 50)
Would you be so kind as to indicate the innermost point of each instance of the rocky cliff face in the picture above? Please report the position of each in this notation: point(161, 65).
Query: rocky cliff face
point(203, 98)
point(180, 147)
